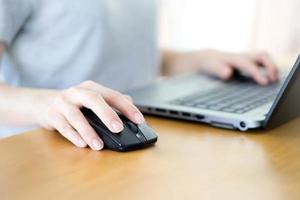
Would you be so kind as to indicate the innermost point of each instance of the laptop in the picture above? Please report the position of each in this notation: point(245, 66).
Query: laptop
point(237, 104)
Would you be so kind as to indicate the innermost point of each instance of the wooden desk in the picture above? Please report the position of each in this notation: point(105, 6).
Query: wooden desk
point(190, 161)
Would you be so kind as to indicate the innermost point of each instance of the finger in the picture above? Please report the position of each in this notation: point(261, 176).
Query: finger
point(220, 70)
point(66, 130)
point(266, 61)
point(251, 68)
point(81, 125)
point(95, 102)
point(118, 101)
point(122, 104)
point(129, 98)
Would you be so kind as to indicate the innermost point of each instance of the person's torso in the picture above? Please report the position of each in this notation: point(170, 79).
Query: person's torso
point(65, 42)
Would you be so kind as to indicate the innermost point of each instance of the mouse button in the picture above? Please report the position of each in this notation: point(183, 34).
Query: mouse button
point(109, 142)
point(133, 127)
point(92, 117)
point(127, 137)
point(88, 113)
point(123, 118)
point(104, 133)
point(147, 131)
point(141, 137)
point(97, 123)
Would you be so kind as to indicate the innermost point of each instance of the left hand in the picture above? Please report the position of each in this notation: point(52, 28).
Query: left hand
point(222, 64)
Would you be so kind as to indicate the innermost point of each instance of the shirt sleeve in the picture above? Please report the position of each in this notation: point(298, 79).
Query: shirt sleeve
point(13, 15)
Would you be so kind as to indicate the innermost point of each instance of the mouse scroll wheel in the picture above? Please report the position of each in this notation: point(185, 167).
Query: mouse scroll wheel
point(132, 127)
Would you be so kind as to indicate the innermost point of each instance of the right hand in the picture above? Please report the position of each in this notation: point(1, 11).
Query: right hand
point(63, 113)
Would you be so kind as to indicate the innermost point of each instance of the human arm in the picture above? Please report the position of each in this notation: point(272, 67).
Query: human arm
point(60, 109)
point(220, 64)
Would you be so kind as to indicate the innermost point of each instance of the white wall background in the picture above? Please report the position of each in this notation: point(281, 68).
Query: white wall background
point(231, 25)
point(277, 27)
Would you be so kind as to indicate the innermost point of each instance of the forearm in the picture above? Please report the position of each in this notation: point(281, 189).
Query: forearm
point(175, 62)
point(22, 106)
point(168, 58)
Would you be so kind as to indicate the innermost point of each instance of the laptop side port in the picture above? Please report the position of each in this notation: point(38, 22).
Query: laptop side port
point(199, 117)
point(222, 125)
point(160, 110)
point(173, 112)
point(185, 114)
point(243, 126)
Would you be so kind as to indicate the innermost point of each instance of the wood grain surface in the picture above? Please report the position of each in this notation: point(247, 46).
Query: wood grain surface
point(190, 161)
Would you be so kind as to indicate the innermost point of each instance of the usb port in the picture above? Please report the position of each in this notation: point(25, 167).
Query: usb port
point(160, 110)
point(173, 112)
point(185, 114)
point(199, 117)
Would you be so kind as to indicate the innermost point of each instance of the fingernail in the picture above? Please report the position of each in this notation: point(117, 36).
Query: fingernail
point(81, 143)
point(139, 118)
point(116, 126)
point(97, 145)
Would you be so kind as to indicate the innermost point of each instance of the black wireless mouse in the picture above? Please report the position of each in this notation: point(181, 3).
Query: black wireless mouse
point(131, 138)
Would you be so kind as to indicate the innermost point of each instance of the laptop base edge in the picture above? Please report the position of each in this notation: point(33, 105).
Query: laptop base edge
point(216, 121)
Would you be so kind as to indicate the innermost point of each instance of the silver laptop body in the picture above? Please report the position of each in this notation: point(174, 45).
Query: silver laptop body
point(237, 104)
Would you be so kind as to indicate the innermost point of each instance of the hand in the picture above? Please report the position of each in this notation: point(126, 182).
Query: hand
point(223, 64)
point(63, 112)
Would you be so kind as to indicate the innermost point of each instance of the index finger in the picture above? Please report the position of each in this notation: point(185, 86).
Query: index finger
point(117, 100)
point(266, 61)
point(250, 67)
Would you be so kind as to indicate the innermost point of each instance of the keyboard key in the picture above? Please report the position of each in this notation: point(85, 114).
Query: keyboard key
point(233, 97)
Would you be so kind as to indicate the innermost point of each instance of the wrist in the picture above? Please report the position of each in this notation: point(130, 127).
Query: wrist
point(42, 101)
point(33, 103)
point(184, 62)
point(22, 106)
point(172, 62)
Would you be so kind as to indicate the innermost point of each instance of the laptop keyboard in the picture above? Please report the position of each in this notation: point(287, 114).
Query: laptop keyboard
point(233, 97)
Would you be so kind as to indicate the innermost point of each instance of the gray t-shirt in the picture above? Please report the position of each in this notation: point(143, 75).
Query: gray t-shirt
point(60, 43)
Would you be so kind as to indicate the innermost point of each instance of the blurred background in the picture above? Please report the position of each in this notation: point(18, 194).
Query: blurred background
point(232, 25)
